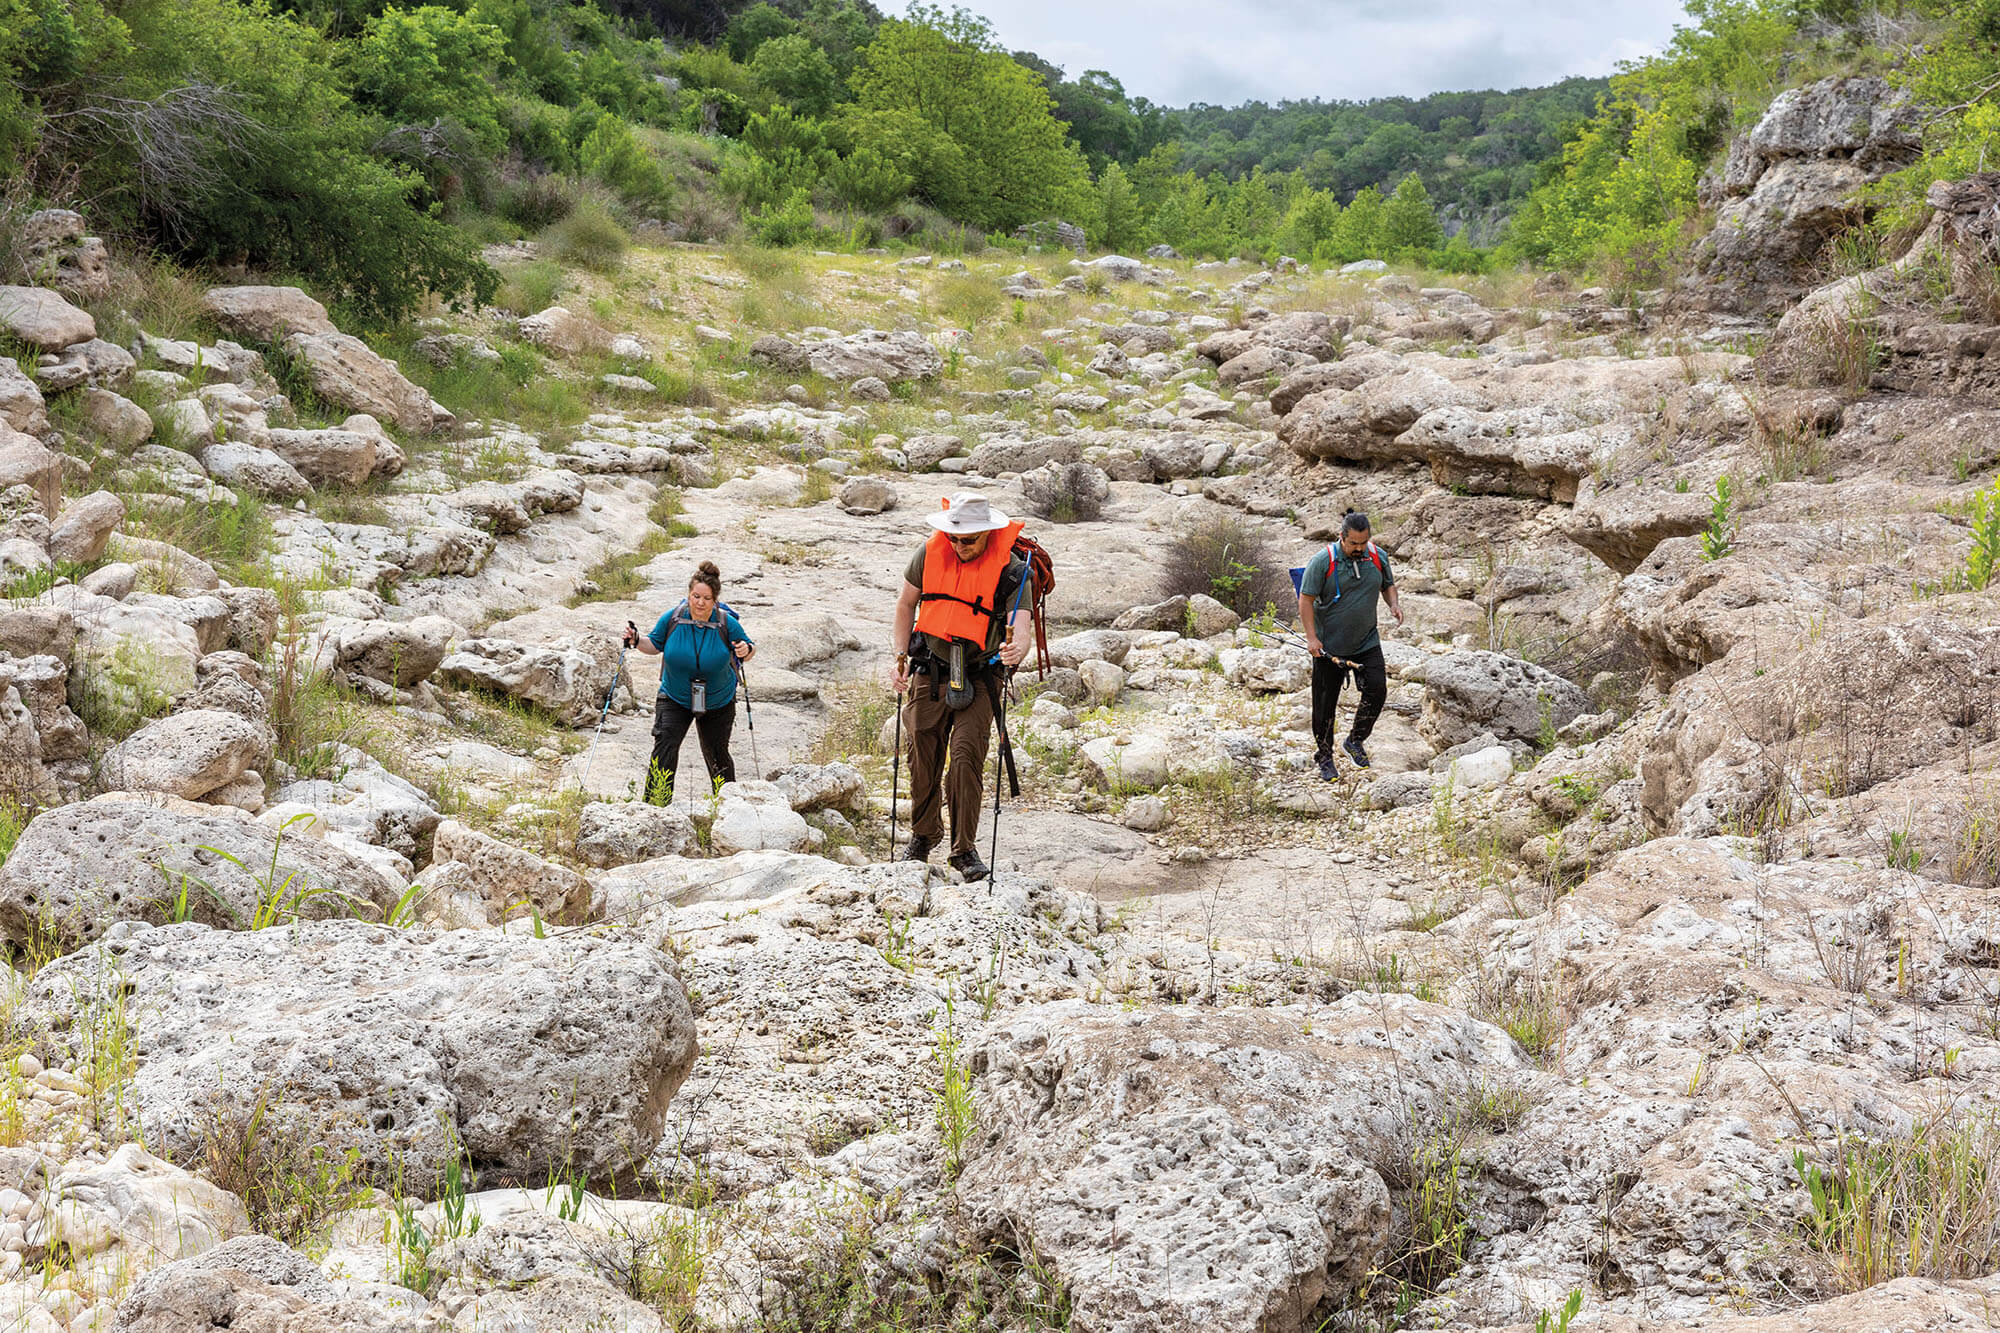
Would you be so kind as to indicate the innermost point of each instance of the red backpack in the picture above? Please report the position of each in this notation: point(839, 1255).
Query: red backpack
point(1042, 576)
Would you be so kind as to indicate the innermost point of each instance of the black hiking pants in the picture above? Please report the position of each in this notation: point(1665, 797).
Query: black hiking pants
point(1373, 676)
point(670, 728)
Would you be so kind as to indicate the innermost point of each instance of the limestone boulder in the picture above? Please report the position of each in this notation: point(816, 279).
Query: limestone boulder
point(41, 317)
point(26, 461)
point(1170, 614)
point(101, 364)
point(85, 526)
point(757, 816)
point(1143, 1115)
point(994, 457)
point(344, 371)
point(1259, 364)
point(512, 879)
point(1072, 650)
point(122, 423)
point(35, 631)
point(527, 1055)
point(135, 1209)
point(267, 314)
point(187, 754)
point(867, 496)
point(1065, 492)
point(1622, 527)
point(562, 332)
point(248, 467)
point(79, 868)
point(924, 452)
point(889, 357)
point(568, 676)
point(1466, 693)
point(254, 1284)
point(779, 354)
point(333, 457)
point(60, 254)
point(611, 834)
point(395, 652)
point(1795, 181)
point(811, 787)
point(1136, 763)
point(21, 403)
point(1267, 670)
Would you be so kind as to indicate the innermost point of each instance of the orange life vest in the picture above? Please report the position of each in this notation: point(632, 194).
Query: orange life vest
point(957, 599)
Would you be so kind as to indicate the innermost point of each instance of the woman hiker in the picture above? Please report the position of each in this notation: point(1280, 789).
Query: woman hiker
point(699, 643)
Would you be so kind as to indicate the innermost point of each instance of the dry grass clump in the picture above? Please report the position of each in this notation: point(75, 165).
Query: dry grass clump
point(1923, 1205)
point(1229, 559)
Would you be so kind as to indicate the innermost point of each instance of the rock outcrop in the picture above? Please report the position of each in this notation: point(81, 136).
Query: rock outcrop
point(527, 1055)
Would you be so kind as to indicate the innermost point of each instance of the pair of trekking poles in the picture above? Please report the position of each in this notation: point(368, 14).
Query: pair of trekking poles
point(611, 693)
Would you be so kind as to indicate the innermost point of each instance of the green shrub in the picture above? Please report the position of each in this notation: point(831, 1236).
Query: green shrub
point(590, 238)
point(788, 224)
point(530, 287)
point(538, 202)
point(1228, 559)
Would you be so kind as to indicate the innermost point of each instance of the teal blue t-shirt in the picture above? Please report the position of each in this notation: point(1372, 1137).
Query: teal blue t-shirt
point(1344, 604)
point(690, 648)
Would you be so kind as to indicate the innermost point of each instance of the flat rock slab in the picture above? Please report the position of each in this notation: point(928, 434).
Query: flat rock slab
point(79, 868)
point(536, 1055)
point(1208, 1168)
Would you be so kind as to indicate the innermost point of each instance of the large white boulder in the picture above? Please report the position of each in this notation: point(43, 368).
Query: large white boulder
point(186, 754)
point(79, 868)
point(526, 1056)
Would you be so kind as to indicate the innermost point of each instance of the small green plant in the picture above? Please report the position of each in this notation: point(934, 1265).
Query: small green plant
point(1984, 559)
point(412, 1242)
point(956, 1117)
point(1545, 728)
point(14, 817)
point(1716, 539)
point(818, 487)
point(292, 1181)
point(1926, 1205)
point(1557, 1321)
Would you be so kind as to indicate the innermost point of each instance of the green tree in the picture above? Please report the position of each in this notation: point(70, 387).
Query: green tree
point(296, 189)
point(798, 73)
point(752, 28)
point(1358, 234)
point(1021, 166)
point(1310, 222)
point(868, 179)
point(1409, 222)
point(935, 165)
point(431, 63)
point(613, 154)
point(780, 154)
point(1118, 202)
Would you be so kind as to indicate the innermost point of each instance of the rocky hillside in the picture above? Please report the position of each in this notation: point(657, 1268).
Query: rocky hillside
point(1649, 979)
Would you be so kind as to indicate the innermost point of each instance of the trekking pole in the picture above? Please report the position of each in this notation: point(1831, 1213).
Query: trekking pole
point(896, 763)
point(749, 713)
point(610, 693)
point(1004, 761)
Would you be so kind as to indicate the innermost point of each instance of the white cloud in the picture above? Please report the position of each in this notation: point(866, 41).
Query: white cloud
point(1227, 51)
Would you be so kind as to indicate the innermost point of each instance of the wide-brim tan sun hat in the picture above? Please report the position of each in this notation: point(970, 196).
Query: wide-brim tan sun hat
point(967, 512)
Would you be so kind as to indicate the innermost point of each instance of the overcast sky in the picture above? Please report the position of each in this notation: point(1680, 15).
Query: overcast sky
point(1229, 51)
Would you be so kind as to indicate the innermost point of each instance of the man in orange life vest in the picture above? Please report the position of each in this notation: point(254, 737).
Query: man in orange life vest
point(961, 592)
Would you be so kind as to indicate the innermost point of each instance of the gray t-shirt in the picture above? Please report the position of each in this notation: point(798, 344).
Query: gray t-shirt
point(1347, 621)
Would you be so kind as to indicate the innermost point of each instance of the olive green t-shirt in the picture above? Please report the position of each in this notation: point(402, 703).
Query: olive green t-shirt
point(1347, 622)
point(1003, 596)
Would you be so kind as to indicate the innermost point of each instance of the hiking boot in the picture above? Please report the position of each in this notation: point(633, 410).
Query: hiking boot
point(1355, 752)
point(1327, 772)
point(969, 866)
point(918, 848)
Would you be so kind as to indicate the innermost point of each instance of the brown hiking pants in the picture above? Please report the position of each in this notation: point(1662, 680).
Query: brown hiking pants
point(936, 732)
